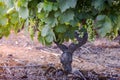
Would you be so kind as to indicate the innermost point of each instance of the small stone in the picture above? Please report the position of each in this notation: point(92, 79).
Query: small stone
point(10, 55)
point(0, 55)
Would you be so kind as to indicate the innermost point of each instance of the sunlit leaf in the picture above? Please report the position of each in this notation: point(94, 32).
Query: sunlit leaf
point(48, 6)
point(50, 37)
point(66, 4)
point(66, 16)
point(45, 31)
point(51, 20)
point(3, 21)
point(23, 12)
point(104, 24)
point(40, 6)
point(9, 3)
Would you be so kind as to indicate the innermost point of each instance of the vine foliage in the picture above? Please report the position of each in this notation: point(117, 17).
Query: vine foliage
point(56, 20)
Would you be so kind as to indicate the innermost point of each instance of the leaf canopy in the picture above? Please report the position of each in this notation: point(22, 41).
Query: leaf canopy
point(56, 20)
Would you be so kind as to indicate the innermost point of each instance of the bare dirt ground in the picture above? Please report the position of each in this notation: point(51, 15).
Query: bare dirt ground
point(23, 59)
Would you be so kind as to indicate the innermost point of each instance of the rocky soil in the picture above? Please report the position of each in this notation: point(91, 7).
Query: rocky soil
point(23, 59)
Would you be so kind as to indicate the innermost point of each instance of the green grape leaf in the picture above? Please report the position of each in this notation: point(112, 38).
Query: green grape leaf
point(9, 3)
point(50, 37)
point(100, 17)
point(41, 39)
point(40, 7)
point(57, 13)
point(66, 16)
point(104, 24)
point(61, 28)
point(47, 6)
point(60, 38)
point(51, 21)
point(74, 22)
point(118, 23)
point(66, 4)
point(114, 19)
point(42, 15)
point(23, 12)
point(55, 7)
point(22, 3)
point(14, 18)
point(45, 31)
point(3, 9)
point(99, 4)
point(3, 21)
point(17, 27)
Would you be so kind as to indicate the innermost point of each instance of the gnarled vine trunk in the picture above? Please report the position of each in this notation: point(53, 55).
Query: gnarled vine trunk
point(66, 57)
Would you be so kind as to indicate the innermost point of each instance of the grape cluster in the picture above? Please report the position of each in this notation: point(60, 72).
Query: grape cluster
point(115, 2)
point(90, 29)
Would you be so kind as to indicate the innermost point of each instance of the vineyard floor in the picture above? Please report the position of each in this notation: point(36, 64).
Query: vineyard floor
point(23, 59)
